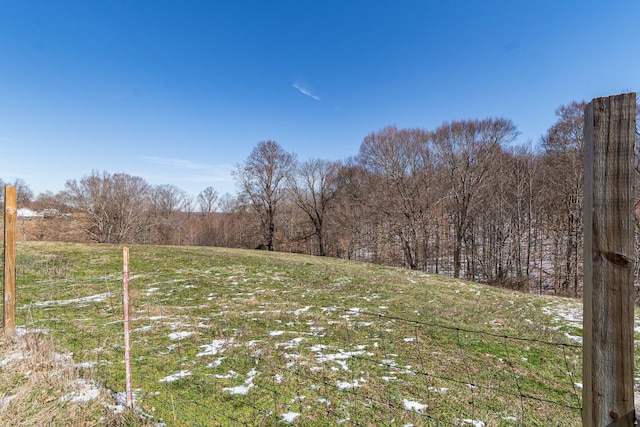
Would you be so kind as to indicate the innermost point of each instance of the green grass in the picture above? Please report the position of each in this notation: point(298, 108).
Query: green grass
point(332, 340)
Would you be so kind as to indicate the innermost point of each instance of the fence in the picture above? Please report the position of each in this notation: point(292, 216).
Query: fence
point(250, 342)
point(349, 365)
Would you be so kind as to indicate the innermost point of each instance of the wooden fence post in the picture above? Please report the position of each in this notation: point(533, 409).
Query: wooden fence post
point(9, 286)
point(609, 258)
point(127, 327)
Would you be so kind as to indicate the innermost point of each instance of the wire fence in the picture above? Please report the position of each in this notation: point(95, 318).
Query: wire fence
point(214, 347)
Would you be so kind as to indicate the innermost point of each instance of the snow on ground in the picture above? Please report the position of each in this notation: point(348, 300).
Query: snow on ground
point(568, 314)
point(175, 377)
point(16, 355)
point(414, 406)
point(179, 335)
point(563, 314)
point(290, 417)
point(85, 391)
point(248, 384)
point(91, 298)
point(214, 348)
point(474, 423)
point(299, 311)
point(343, 385)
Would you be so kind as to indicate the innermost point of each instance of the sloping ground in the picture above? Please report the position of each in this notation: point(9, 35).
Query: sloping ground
point(231, 337)
point(41, 387)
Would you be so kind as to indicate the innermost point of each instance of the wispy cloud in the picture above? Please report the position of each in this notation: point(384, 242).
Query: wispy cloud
point(304, 91)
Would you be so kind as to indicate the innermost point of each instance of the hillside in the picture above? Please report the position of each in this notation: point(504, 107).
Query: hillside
point(235, 337)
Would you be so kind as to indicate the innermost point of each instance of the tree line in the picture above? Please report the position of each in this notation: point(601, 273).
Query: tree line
point(461, 200)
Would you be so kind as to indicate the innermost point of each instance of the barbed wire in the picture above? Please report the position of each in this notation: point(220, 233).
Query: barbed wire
point(347, 384)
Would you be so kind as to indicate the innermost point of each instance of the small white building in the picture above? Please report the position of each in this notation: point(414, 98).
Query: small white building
point(25, 213)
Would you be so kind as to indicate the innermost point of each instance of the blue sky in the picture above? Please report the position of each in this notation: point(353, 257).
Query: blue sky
point(180, 92)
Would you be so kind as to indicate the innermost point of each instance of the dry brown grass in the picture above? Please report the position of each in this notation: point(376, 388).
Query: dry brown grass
point(38, 386)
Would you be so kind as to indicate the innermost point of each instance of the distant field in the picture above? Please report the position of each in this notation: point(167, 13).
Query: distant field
point(236, 337)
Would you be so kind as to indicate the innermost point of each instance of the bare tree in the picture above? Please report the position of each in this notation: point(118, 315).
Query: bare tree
point(112, 206)
point(24, 195)
point(468, 152)
point(315, 188)
point(207, 200)
point(262, 179)
point(401, 163)
point(563, 146)
point(23, 192)
point(168, 212)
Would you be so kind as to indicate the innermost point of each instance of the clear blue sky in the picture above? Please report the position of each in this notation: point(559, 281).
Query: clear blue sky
point(179, 92)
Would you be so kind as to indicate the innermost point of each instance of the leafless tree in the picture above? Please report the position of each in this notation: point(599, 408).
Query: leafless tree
point(112, 206)
point(315, 188)
point(262, 179)
point(168, 213)
point(401, 163)
point(24, 194)
point(563, 146)
point(207, 200)
point(468, 151)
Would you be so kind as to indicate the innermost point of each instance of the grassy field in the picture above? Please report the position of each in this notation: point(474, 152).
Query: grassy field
point(233, 337)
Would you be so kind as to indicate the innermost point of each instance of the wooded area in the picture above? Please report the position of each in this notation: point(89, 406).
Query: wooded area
point(461, 200)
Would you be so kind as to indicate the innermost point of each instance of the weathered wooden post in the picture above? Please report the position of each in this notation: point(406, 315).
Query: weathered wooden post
point(127, 327)
point(10, 216)
point(608, 374)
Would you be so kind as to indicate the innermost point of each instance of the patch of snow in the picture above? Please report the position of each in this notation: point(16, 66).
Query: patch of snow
point(338, 358)
point(216, 363)
point(11, 357)
point(290, 344)
point(290, 417)
point(342, 385)
point(91, 298)
point(574, 338)
point(569, 313)
point(213, 348)
point(85, 392)
point(22, 330)
point(299, 311)
point(410, 405)
point(179, 335)
point(276, 333)
point(230, 374)
point(318, 348)
point(243, 389)
point(85, 365)
point(474, 423)
point(6, 400)
point(175, 377)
